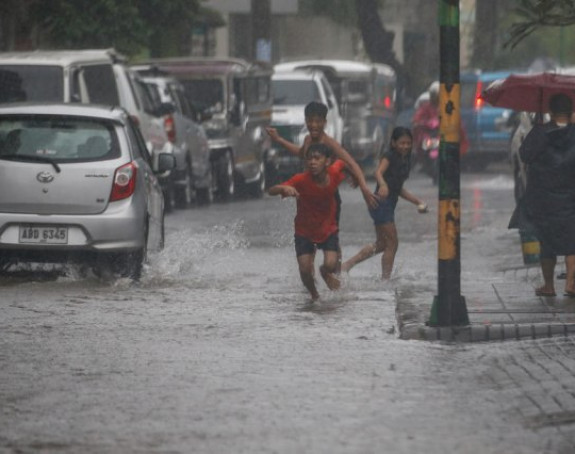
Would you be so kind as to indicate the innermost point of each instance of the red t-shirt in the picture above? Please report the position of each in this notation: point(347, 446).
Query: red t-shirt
point(316, 205)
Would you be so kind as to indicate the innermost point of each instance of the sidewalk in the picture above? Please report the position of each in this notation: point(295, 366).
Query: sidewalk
point(507, 309)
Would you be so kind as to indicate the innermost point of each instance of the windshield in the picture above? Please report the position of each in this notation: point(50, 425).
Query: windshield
point(31, 83)
point(294, 92)
point(205, 94)
point(60, 139)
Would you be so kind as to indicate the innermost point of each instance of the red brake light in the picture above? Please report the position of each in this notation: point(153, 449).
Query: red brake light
point(170, 128)
point(387, 102)
point(478, 99)
point(124, 182)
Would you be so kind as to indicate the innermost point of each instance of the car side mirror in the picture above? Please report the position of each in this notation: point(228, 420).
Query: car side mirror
point(166, 162)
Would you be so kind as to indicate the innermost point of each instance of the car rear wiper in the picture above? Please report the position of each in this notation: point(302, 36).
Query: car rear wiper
point(30, 158)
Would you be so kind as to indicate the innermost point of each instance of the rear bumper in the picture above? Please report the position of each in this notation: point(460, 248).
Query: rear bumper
point(121, 227)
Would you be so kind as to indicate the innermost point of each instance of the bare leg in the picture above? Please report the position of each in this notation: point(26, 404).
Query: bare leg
point(369, 250)
point(306, 268)
point(548, 270)
point(570, 273)
point(390, 249)
point(338, 265)
point(328, 269)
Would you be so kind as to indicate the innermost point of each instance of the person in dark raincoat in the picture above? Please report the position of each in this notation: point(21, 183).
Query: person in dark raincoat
point(549, 202)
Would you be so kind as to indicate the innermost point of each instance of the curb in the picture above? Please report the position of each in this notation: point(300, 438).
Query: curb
point(485, 333)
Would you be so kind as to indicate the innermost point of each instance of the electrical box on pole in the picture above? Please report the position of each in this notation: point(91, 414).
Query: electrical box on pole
point(449, 306)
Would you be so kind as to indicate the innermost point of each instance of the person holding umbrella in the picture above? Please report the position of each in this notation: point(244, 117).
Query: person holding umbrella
point(549, 202)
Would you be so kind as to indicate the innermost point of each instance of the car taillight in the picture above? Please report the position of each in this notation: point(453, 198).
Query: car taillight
point(124, 182)
point(170, 128)
point(478, 99)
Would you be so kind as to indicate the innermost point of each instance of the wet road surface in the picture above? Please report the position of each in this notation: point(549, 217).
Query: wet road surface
point(217, 349)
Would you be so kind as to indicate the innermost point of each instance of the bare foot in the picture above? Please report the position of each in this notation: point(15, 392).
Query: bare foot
point(344, 268)
point(330, 279)
point(545, 291)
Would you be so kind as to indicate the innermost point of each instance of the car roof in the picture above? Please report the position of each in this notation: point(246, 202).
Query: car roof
point(206, 65)
point(484, 76)
point(113, 113)
point(298, 74)
point(61, 57)
point(337, 66)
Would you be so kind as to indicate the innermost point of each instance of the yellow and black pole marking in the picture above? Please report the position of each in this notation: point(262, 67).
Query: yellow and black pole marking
point(449, 306)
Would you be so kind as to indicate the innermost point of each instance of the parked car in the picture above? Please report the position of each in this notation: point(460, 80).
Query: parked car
point(366, 98)
point(233, 97)
point(95, 76)
point(192, 177)
point(487, 128)
point(77, 185)
point(292, 90)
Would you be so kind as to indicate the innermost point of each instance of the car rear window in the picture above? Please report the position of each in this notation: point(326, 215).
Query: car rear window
point(101, 84)
point(205, 94)
point(37, 83)
point(61, 139)
point(294, 92)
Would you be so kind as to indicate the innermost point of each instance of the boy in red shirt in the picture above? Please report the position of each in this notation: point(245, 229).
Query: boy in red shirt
point(315, 221)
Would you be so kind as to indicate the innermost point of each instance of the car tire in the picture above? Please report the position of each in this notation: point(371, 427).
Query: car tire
point(204, 196)
point(168, 191)
point(183, 192)
point(226, 181)
point(258, 188)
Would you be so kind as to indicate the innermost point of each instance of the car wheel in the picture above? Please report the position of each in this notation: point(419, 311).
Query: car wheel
point(132, 264)
point(204, 196)
point(168, 191)
point(183, 192)
point(5, 265)
point(226, 183)
point(258, 188)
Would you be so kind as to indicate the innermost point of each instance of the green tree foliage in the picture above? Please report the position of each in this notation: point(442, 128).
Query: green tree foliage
point(534, 14)
point(76, 24)
point(131, 26)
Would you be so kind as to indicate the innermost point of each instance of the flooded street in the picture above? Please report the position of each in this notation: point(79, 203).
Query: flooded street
point(217, 349)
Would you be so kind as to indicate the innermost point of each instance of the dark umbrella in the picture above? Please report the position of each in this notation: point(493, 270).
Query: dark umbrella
point(528, 92)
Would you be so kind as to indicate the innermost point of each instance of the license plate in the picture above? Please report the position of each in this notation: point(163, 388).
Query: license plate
point(43, 235)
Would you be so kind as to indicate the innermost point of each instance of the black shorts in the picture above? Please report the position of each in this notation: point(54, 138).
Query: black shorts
point(304, 246)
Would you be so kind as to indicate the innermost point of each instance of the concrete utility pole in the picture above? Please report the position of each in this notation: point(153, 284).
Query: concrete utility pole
point(261, 30)
point(449, 306)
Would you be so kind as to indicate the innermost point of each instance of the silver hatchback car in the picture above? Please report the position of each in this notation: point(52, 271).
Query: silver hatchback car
point(76, 184)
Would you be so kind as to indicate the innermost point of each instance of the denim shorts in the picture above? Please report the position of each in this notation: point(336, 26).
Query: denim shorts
point(304, 246)
point(385, 211)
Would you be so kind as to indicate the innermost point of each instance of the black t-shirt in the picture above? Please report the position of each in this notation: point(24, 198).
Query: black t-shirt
point(397, 172)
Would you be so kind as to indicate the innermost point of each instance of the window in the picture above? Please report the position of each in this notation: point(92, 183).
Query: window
point(205, 94)
point(294, 92)
point(101, 84)
point(37, 83)
point(61, 139)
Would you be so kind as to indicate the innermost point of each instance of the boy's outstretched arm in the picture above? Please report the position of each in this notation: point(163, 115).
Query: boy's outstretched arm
point(355, 170)
point(283, 190)
point(289, 146)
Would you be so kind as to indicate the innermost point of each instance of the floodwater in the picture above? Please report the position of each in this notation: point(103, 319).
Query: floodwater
point(218, 349)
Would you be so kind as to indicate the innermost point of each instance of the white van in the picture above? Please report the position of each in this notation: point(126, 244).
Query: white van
point(96, 76)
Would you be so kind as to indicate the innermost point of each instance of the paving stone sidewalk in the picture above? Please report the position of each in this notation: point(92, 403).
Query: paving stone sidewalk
point(504, 308)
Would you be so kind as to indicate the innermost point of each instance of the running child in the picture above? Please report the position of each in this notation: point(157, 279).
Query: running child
point(315, 220)
point(391, 173)
point(315, 121)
